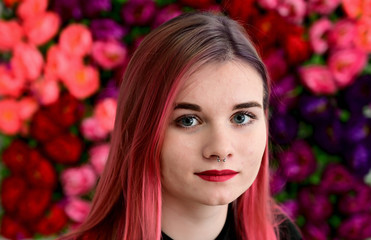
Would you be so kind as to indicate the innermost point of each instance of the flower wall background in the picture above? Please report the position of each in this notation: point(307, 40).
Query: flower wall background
point(61, 63)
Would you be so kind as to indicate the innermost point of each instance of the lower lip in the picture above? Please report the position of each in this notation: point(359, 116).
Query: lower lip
point(217, 178)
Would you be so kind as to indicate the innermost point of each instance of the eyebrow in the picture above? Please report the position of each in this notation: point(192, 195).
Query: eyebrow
point(197, 108)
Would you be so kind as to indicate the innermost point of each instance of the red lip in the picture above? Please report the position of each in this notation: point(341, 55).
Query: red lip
point(216, 175)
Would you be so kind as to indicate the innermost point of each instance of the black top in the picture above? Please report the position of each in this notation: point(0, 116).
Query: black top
point(287, 229)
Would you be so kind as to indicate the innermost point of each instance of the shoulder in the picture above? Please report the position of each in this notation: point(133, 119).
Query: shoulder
point(288, 230)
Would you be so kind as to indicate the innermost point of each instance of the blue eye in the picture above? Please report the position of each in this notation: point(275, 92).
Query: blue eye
point(187, 121)
point(242, 118)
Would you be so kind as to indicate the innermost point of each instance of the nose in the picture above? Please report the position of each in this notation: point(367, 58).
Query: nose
point(218, 143)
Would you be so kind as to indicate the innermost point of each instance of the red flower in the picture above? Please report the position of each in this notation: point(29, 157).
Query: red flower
point(297, 49)
point(53, 222)
point(33, 204)
point(40, 172)
point(11, 229)
point(239, 9)
point(16, 156)
point(12, 191)
point(43, 128)
point(66, 111)
point(64, 149)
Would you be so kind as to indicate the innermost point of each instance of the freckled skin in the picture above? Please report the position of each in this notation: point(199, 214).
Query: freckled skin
point(192, 143)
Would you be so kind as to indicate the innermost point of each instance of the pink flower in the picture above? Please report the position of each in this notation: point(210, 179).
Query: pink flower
point(345, 65)
point(58, 63)
point(342, 34)
point(10, 121)
point(98, 157)
point(318, 79)
point(77, 209)
point(322, 6)
point(317, 35)
point(27, 62)
point(41, 28)
point(292, 10)
point(11, 34)
point(105, 113)
point(76, 40)
point(363, 33)
point(78, 180)
point(268, 4)
point(82, 81)
point(109, 54)
point(357, 8)
point(27, 107)
point(92, 130)
point(10, 85)
point(31, 8)
point(46, 90)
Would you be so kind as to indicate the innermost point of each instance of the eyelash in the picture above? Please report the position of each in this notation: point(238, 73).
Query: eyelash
point(246, 113)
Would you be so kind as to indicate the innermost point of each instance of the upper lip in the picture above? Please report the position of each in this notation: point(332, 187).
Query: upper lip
point(217, 172)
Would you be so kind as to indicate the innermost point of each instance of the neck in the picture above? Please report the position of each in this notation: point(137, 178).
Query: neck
point(191, 220)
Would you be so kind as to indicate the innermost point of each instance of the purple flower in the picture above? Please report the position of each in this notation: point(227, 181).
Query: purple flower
point(316, 231)
point(291, 208)
point(138, 12)
point(283, 128)
point(110, 91)
point(68, 9)
point(92, 8)
point(165, 14)
point(316, 109)
point(298, 162)
point(284, 96)
point(358, 94)
point(359, 158)
point(107, 29)
point(356, 227)
point(358, 129)
point(357, 200)
point(337, 179)
point(315, 204)
point(329, 136)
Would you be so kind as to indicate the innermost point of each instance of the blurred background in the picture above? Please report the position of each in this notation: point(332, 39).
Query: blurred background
point(61, 63)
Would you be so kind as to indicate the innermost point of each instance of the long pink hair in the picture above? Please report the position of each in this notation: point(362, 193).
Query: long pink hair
point(127, 201)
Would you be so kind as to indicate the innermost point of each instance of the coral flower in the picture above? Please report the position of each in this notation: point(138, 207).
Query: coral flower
point(27, 61)
point(82, 81)
point(10, 85)
point(317, 35)
point(27, 107)
point(10, 121)
point(345, 65)
point(105, 113)
point(109, 54)
point(363, 35)
point(76, 40)
point(357, 8)
point(31, 8)
point(41, 28)
point(318, 79)
point(11, 34)
point(46, 90)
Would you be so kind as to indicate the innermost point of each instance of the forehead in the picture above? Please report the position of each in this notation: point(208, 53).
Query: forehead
point(222, 82)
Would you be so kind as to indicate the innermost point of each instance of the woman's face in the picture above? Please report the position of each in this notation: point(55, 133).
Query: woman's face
point(217, 113)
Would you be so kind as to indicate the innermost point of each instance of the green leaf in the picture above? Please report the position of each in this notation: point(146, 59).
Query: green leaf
point(305, 130)
point(334, 221)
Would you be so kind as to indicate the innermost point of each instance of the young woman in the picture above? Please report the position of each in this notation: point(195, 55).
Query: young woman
point(189, 152)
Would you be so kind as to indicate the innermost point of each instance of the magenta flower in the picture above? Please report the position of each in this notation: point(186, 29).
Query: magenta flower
point(337, 179)
point(277, 182)
point(291, 208)
point(92, 8)
point(315, 204)
point(319, 231)
point(357, 200)
point(318, 35)
point(107, 29)
point(165, 14)
point(342, 34)
point(276, 65)
point(356, 227)
point(138, 12)
point(68, 9)
point(322, 7)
